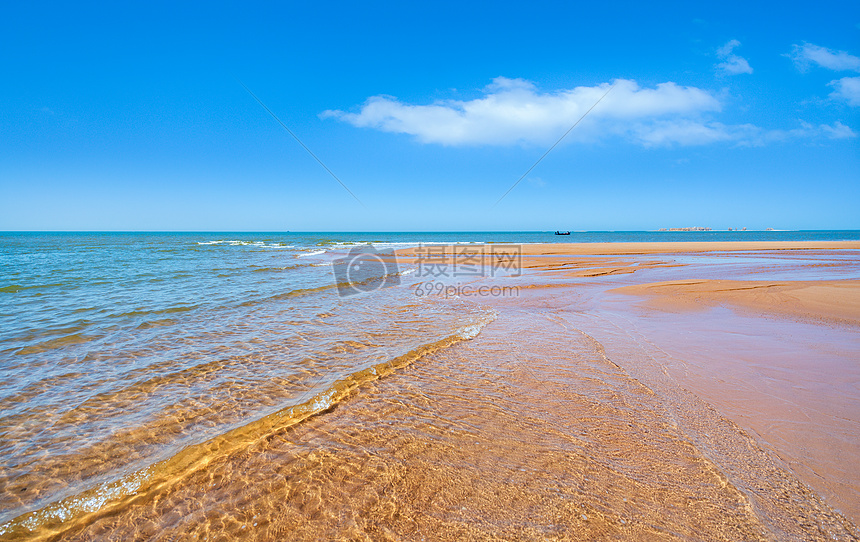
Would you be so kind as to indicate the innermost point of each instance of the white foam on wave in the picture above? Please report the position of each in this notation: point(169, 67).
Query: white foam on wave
point(400, 244)
point(323, 401)
point(236, 242)
point(471, 331)
point(315, 253)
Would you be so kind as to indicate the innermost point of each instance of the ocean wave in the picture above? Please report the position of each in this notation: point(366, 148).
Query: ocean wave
point(58, 343)
point(234, 242)
point(143, 312)
point(314, 253)
point(290, 293)
point(470, 332)
point(276, 269)
point(317, 289)
point(15, 288)
point(399, 244)
point(237, 242)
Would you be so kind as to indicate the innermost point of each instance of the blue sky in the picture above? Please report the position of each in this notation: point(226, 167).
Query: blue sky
point(132, 118)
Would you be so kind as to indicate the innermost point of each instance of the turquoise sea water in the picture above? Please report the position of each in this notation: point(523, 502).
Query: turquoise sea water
point(119, 352)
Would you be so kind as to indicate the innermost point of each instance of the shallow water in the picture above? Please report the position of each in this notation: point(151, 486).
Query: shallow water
point(792, 384)
point(164, 386)
point(121, 353)
point(488, 439)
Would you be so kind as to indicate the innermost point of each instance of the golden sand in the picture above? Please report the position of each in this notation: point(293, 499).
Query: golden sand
point(835, 301)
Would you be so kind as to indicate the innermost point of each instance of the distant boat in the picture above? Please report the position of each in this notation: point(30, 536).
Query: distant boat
point(562, 233)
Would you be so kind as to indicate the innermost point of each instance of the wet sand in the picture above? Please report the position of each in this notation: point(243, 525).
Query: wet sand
point(833, 301)
point(779, 357)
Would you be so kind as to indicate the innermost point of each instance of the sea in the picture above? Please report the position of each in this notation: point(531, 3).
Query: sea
point(131, 360)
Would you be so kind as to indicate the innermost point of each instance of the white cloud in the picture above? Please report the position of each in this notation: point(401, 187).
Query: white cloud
point(837, 131)
point(747, 135)
point(513, 111)
point(848, 89)
point(687, 132)
point(808, 54)
point(807, 131)
point(727, 49)
point(732, 64)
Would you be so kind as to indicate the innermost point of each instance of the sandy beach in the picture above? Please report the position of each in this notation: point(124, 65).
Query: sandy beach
point(648, 391)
